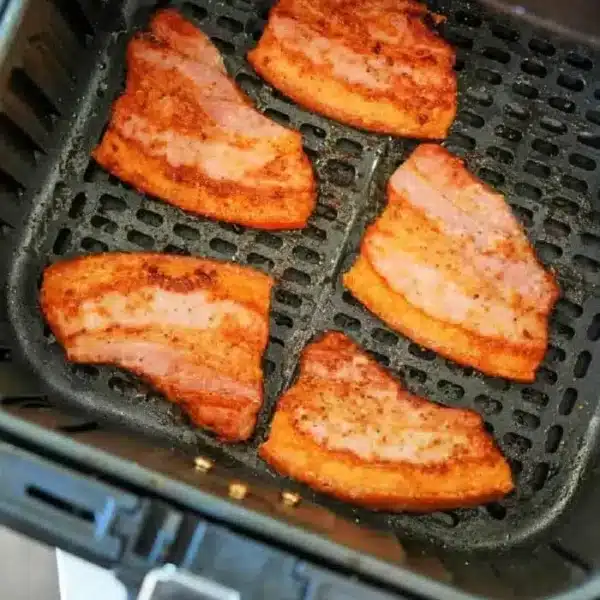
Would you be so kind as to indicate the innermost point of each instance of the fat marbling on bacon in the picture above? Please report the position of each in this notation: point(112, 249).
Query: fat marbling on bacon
point(184, 132)
point(348, 428)
point(374, 64)
point(195, 329)
point(448, 265)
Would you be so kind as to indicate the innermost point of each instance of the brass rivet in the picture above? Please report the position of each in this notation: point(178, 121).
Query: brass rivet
point(203, 464)
point(238, 491)
point(290, 498)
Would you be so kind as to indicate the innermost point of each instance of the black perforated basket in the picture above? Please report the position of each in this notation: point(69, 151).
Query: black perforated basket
point(527, 124)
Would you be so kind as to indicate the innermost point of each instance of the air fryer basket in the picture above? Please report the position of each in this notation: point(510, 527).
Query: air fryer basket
point(527, 124)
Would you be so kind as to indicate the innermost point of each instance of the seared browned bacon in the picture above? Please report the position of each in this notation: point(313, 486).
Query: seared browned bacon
point(349, 429)
point(374, 64)
point(184, 132)
point(196, 329)
point(448, 265)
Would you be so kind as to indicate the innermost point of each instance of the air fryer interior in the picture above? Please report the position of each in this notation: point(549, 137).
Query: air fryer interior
point(527, 124)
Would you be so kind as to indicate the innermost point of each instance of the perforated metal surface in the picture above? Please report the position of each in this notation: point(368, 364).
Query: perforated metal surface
point(527, 124)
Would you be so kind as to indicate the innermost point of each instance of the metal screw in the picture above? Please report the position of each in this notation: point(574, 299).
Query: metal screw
point(237, 491)
point(203, 464)
point(290, 498)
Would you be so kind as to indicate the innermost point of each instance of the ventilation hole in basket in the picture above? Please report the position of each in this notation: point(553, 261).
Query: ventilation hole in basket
point(582, 162)
point(92, 245)
point(459, 64)
point(467, 18)
point(488, 406)
point(548, 252)
point(20, 144)
point(62, 242)
point(504, 33)
point(420, 352)
point(562, 104)
point(223, 247)
point(314, 233)
point(591, 242)
point(224, 47)
point(9, 186)
point(578, 61)
point(282, 320)
point(382, 359)
point(553, 125)
point(269, 240)
point(104, 224)
point(415, 375)
point(140, 239)
point(525, 420)
point(497, 383)
point(340, 173)
point(593, 218)
point(85, 371)
point(593, 116)
point(313, 132)
point(79, 427)
point(346, 322)
point(533, 67)
point(77, 206)
point(575, 84)
point(534, 397)
point(445, 519)
point(537, 169)
point(471, 119)
point(5, 355)
point(488, 76)
point(277, 116)
point(588, 265)
point(194, 11)
point(516, 111)
point(173, 249)
point(349, 147)
point(542, 47)
point(123, 387)
point(5, 229)
point(268, 367)
point(31, 95)
point(258, 260)
point(589, 139)
point(555, 354)
point(233, 228)
point(306, 255)
point(567, 308)
point(539, 476)
point(515, 443)
point(450, 392)
point(350, 300)
point(249, 84)
point(386, 338)
point(556, 228)
point(575, 184)
point(150, 218)
point(296, 276)
point(458, 40)
point(553, 438)
point(94, 173)
point(288, 298)
point(508, 133)
point(186, 233)
point(492, 177)
point(582, 364)
point(562, 331)
point(231, 25)
point(567, 206)
point(496, 511)
point(459, 140)
point(481, 97)
point(593, 332)
point(500, 154)
point(525, 90)
point(545, 147)
point(567, 404)
point(496, 55)
point(546, 375)
point(76, 19)
point(524, 215)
